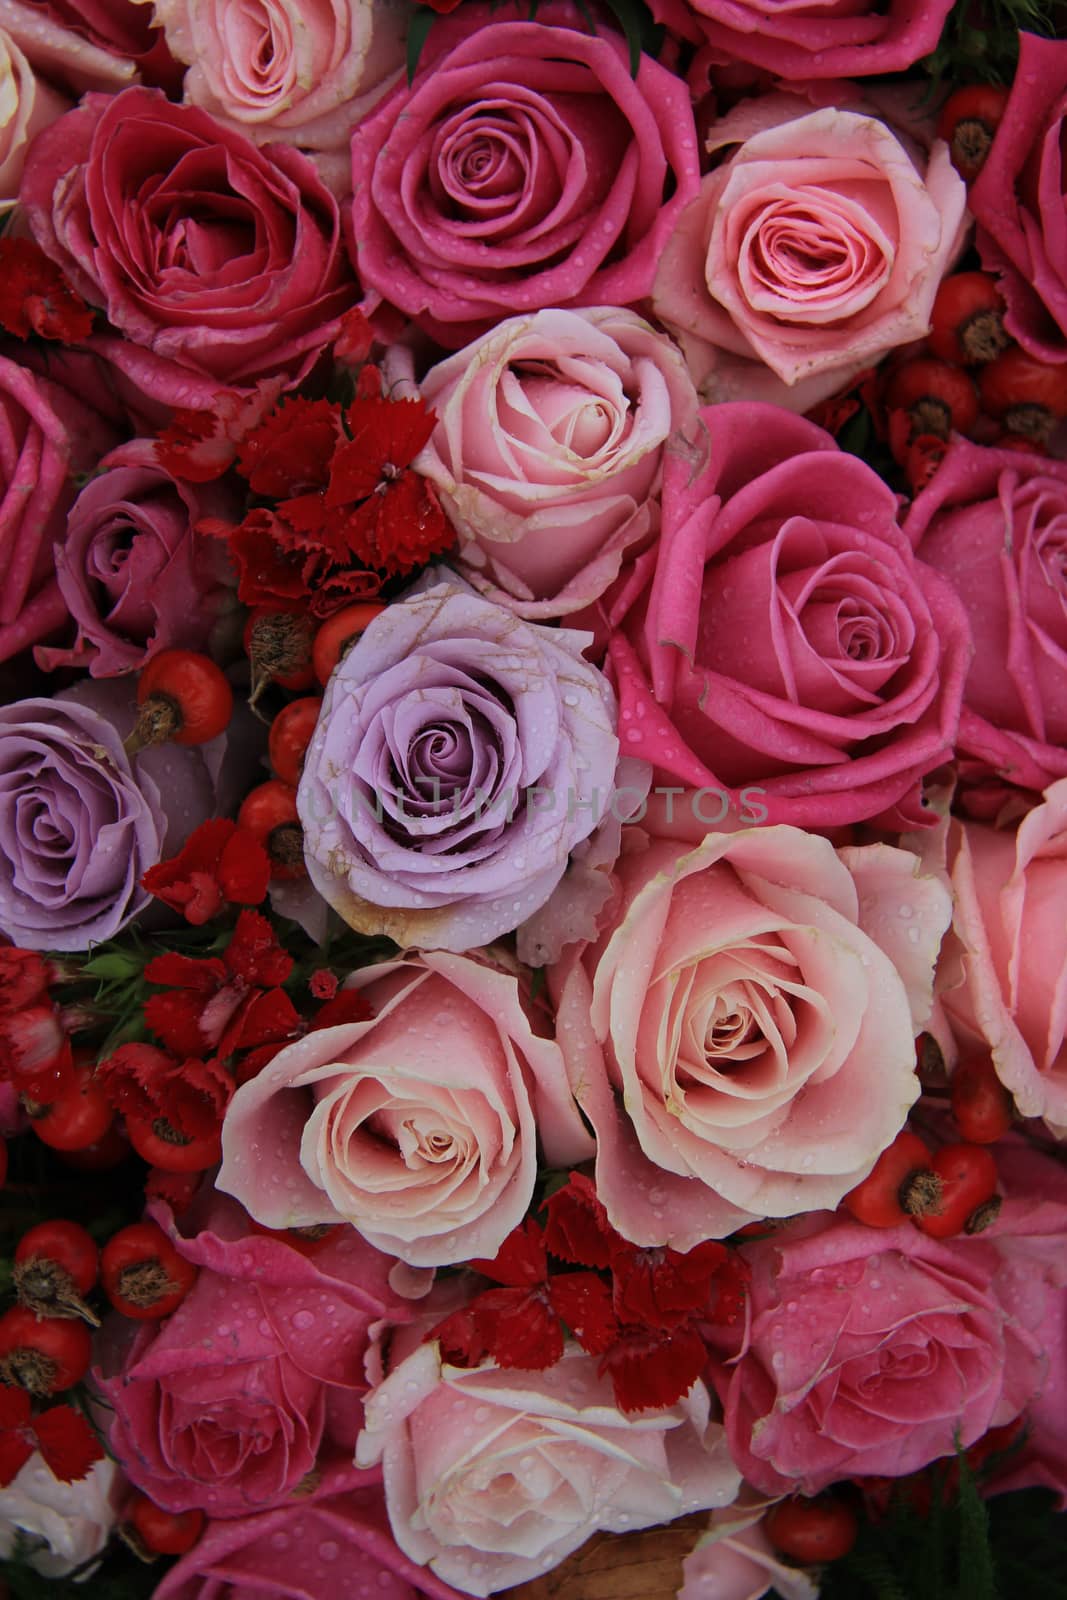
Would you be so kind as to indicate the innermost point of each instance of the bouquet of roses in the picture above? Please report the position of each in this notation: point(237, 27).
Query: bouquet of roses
point(533, 799)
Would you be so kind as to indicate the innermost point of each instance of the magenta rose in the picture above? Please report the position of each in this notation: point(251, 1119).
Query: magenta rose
point(524, 167)
point(548, 451)
point(419, 1126)
point(811, 38)
point(1009, 890)
point(995, 523)
point(871, 1352)
point(816, 247)
point(213, 255)
point(741, 1034)
point(227, 1404)
point(47, 436)
point(134, 575)
point(1020, 201)
point(782, 635)
point(333, 1541)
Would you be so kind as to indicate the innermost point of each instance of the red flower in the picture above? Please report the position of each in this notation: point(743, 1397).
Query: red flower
point(64, 1438)
point(24, 978)
point(35, 1052)
point(217, 1003)
point(277, 564)
point(323, 984)
point(144, 1082)
point(200, 445)
point(649, 1369)
point(290, 451)
point(353, 344)
point(578, 1229)
point(662, 1288)
point(219, 862)
point(36, 298)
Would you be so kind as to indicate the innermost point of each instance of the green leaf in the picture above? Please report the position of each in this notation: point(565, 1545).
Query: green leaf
point(977, 1579)
point(628, 16)
point(114, 964)
point(419, 27)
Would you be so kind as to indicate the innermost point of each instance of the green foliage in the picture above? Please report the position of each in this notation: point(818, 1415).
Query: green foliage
point(643, 34)
point(118, 1576)
point(980, 40)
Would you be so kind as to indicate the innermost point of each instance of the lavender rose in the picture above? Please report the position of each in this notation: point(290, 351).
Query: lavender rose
point(460, 755)
point(133, 575)
point(80, 824)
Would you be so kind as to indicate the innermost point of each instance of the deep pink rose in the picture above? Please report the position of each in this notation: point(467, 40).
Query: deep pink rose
point(332, 1542)
point(1010, 888)
point(47, 436)
point(548, 451)
point(524, 167)
point(870, 1351)
point(741, 1036)
point(1020, 201)
point(213, 255)
point(995, 523)
point(135, 577)
point(816, 247)
point(420, 1126)
point(227, 1404)
point(782, 634)
point(811, 38)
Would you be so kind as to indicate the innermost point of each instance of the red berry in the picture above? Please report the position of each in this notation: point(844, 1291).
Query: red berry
point(893, 1185)
point(270, 813)
point(968, 1199)
point(163, 1533)
point(184, 696)
point(55, 1265)
point(969, 119)
point(79, 1118)
point(278, 640)
point(937, 397)
point(981, 1105)
point(43, 1354)
point(308, 1241)
point(290, 735)
point(142, 1273)
point(967, 320)
point(160, 1144)
point(339, 632)
point(925, 455)
point(1028, 396)
point(812, 1531)
point(104, 1153)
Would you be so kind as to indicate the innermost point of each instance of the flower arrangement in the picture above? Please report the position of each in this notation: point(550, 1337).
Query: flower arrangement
point(533, 799)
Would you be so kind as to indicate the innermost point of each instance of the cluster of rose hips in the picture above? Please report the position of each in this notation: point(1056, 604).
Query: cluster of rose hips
point(950, 1190)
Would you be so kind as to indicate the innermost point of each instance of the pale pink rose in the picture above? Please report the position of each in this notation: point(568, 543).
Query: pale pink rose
point(1010, 891)
point(26, 106)
point(61, 53)
point(735, 1560)
point(492, 1477)
point(301, 71)
point(870, 1352)
point(741, 1036)
point(420, 1126)
point(548, 451)
point(813, 250)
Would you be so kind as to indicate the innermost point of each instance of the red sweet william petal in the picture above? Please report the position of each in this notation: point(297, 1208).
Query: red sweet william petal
point(24, 979)
point(520, 1327)
point(199, 445)
point(244, 869)
point(659, 1288)
point(15, 1406)
point(202, 974)
point(348, 1005)
point(268, 1018)
point(175, 1018)
point(353, 344)
point(254, 953)
point(67, 1442)
point(583, 1301)
point(15, 1450)
point(266, 573)
point(521, 1261)
point(649, 1370)
point(36, 298)
point(290, 450)
point(462, 1339)
point(578, 1229)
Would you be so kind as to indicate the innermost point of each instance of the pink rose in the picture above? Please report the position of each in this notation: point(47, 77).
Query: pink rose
point(332, 1542)
point(741, 1036)
point(735, 1560)
point(811, 38)
point(300, 71)
point(492, 1476)
point(28, 106)
point(813, 250)
point(134, 576)
point(227, 1404)
point(783, 636)
point(870, 1351)
point(213, 255)
point(1009, 890)
point(995, 523)
point(1020, 201)
point(62, 47)
point(524, 167)
point(419, 1126)
point(47, 436)
point(548, 451)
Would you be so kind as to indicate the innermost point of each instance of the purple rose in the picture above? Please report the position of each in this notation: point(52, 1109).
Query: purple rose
point(80, 824)
point(461, 754)
point(46, 435)
point(133, 574)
